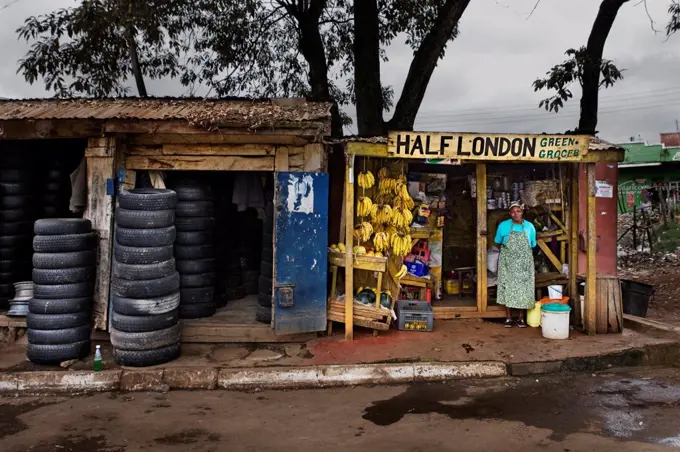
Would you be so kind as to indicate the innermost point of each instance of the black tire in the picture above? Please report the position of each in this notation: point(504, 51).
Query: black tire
point(195, 223)
point(6, 291)
point(267, 255)
point(144, 219)
point(146, 340)
point(53, 212)
point(64, 243)
point(65, 260)
point(264, 300)
point(185, 253)
point(55, 199)
point(55, 354)
point(57, 321)
point(197, 311)
point(142, 255)
point(145, 306)
point(146, 288)
point(14, 253)
point(195, 209)
point(265, 285)
point(145, 237)
point(63, 275)
point(17, 228)
point(267, 269)
point(57, 291)
point(9, 277)
point(140, 324)
point(138, 272)
point(15, 188)
point(193, 238)
point(193, 193)
point(60, 226)
point(147, 199)
point(196, 266)
point(62, 306)
point(15, 175)
point(268, 241)
point(137, 358)
point(235, 293)
point(7, 266)
point(196, 295)
point(16, 201)
point(55, 186)
point(197, 280)
point(55, 175)
point(263, 314)
point(13, 215)
point(55, 337)
point(15, 241)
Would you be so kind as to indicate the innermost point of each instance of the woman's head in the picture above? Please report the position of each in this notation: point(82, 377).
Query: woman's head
point(516, 211)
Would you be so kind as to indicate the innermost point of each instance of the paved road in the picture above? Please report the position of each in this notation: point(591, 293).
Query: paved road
point(623, 411)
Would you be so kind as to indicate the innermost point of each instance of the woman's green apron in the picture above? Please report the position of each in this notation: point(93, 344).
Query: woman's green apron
point(516, 273)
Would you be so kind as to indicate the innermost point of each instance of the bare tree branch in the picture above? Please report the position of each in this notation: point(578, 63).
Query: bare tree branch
point(533, 9)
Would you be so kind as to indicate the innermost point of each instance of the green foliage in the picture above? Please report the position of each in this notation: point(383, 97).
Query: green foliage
point(231, 48)
point(560, 77)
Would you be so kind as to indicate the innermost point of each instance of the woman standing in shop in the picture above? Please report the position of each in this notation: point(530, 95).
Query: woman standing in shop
point(517, 238)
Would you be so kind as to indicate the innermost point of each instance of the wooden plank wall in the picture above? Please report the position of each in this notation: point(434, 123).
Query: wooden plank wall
point(101, 165)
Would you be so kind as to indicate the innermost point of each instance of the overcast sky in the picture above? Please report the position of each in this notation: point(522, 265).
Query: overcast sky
point(484, 82)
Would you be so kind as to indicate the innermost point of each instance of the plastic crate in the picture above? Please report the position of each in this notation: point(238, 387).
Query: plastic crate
point(414, 315)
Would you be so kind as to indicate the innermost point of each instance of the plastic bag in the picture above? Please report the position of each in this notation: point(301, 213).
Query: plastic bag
point(492, 256)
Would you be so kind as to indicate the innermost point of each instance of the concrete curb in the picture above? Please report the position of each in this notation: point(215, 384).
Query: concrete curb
point(184, 378)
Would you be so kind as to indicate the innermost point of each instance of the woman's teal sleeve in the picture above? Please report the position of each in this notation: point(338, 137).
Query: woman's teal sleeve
point(500, 234)
point(532, 235)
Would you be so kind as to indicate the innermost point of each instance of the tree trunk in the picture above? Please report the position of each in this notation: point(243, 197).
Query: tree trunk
point(367, 87)
point(593, 60)
point(134, 60)
point(423, 64)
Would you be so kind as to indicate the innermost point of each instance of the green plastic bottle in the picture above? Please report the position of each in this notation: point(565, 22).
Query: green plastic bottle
point(98, 359)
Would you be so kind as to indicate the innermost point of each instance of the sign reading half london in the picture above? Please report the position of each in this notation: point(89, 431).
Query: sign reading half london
point(480, 146)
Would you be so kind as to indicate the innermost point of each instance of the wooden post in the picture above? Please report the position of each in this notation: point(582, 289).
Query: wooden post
point(101, 166)
point(482, 294)
point(349, 243)
point(591, 270)
point(573, 244)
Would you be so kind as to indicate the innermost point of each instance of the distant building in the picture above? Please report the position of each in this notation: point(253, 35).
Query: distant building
point(646, 165)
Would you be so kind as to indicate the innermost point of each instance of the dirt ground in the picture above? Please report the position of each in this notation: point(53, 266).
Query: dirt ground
point(664, 276)
point(624, 411)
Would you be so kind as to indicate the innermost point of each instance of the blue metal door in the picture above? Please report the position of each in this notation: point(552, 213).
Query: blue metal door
point(300, 252)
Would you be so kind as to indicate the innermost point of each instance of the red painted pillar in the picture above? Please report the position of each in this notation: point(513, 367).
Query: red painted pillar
point(606, 219)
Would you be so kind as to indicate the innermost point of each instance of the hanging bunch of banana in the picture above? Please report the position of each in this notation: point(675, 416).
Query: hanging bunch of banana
point(363, 231)
point(364, 206)
point(383, 173)
point(401, 244)
point(366, 179)
point(401, 217)
point(381, 241)
point(387, 185)
point(382, 214)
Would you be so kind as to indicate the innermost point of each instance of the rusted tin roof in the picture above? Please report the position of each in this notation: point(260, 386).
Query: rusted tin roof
point(203, 112)
point(671, 140)
point(597, 144)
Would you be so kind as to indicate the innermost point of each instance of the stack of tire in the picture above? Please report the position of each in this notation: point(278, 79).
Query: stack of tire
point(17, 213)
point(64, 266)
point(54, 202)
point(145, 328)
point(250, 249)
point(195, 249)
point(229, 282)
point(266, 282)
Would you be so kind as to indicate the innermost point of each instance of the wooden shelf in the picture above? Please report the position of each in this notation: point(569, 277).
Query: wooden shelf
point(421, 233)
point(361, 261)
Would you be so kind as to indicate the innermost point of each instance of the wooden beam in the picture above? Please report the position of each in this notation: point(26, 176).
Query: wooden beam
point(549, 254)
point(315, 158)
point(215, 138)
point(349, 243)
point(482, 294)
point(99, 211)
point(209, 163)
point(198, 331)
point(49, 128)
point(203, 149)
point(591, 268)
point(573, 244)
point(281, 159)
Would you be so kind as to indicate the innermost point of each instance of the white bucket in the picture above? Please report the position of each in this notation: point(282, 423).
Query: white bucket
point(555, 325)
point(555, 292)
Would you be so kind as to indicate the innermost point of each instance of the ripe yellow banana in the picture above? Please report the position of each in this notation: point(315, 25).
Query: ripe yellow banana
point(366, 179)
point(402, 272)
point(382, 173)
point(363, 231)
point(383, 214)
point(401, 244)
point(401, 217)
point(364, 206)
point(381, 241)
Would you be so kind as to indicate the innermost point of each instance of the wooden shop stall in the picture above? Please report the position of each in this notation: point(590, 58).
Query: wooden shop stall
point(131, 143)
point(459, 187)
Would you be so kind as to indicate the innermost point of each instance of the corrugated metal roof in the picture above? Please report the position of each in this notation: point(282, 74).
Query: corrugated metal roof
point(597, 144)
point(204, 112)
